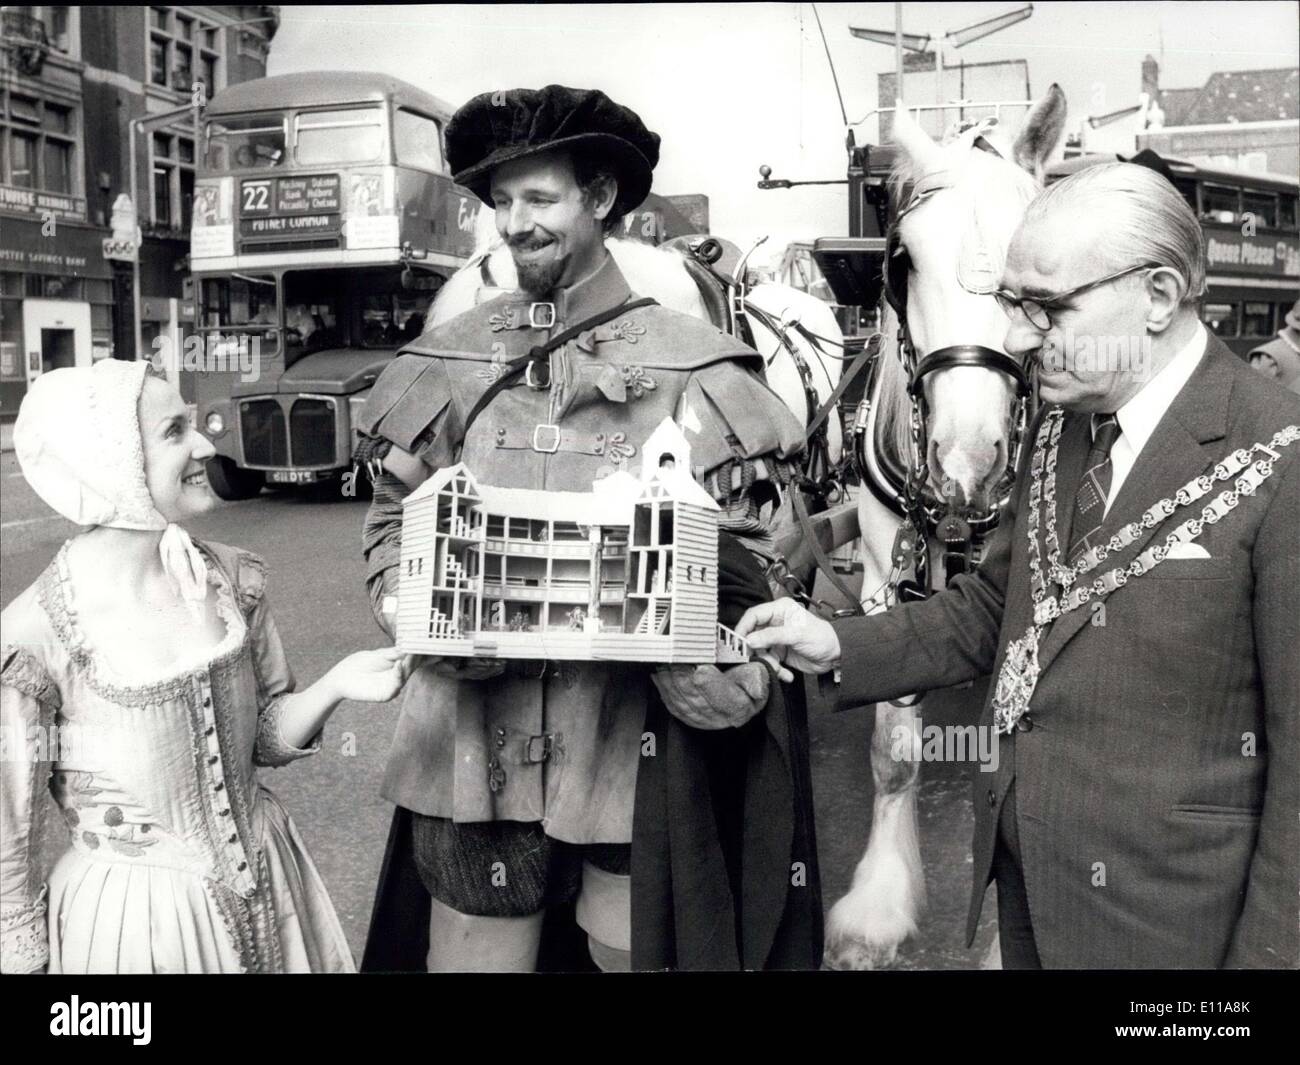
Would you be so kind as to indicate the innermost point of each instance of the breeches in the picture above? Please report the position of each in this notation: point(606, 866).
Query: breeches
point(504, 868)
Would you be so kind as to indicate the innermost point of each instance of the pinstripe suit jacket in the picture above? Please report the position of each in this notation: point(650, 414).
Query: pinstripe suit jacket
point(1158, 791)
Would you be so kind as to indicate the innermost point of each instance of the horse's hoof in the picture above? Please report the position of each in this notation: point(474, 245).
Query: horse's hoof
point(848, 953)
point(862, 934)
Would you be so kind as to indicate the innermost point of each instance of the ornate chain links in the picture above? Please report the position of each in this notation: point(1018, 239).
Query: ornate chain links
point(1071, 598)
point(1018, 676)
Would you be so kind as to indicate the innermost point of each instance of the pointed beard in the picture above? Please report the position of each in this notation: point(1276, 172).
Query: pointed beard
point(539, 279)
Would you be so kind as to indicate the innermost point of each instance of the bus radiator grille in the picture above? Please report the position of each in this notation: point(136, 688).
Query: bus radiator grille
point(311, 432)
point(264, 434)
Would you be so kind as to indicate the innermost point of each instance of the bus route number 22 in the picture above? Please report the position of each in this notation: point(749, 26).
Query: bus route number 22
point(257, 196)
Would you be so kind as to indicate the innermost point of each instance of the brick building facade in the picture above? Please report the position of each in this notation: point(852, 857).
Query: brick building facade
point(72, 80)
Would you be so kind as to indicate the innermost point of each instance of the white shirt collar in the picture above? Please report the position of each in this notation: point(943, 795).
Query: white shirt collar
point(1139, 417)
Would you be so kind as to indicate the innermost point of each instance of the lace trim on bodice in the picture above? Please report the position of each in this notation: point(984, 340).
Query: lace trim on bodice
point(23, 671)
point(57, 599)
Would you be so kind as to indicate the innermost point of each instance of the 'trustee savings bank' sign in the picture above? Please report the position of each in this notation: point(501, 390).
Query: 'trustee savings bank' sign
point(1230, 250)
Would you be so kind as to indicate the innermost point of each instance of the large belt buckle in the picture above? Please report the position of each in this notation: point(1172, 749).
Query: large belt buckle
point(554, 431)
point(531, 379)
point(541, 315)
point(538, 748)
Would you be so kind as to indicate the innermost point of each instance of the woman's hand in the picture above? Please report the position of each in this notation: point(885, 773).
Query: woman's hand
point(705, 697)
point(371, 676)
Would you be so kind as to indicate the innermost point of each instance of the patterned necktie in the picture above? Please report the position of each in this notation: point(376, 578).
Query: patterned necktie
point(1090, 502)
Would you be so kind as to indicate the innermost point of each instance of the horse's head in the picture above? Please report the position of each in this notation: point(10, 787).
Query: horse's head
point(959, 204)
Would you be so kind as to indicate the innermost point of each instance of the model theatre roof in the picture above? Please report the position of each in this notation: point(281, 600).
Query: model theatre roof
point(610, 499)
point(322, 89)
point(609, 503)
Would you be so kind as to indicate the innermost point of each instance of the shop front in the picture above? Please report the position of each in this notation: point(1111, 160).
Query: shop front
point(56, 301)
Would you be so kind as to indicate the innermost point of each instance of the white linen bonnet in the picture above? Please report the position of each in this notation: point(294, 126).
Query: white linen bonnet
point(77, 439)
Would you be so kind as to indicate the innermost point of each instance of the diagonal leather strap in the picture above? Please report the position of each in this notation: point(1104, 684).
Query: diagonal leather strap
point(820, 556)
point(869, 352)
point(515, 367)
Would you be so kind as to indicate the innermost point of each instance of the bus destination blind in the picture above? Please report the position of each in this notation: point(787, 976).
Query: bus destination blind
point(290, 206)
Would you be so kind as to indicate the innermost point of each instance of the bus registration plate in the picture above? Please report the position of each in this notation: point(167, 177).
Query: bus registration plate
point(293, 476)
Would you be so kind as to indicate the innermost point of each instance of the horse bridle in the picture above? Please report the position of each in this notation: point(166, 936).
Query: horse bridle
point(921, 509)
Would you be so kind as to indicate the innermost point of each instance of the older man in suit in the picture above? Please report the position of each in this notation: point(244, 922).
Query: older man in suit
point(1145, 808)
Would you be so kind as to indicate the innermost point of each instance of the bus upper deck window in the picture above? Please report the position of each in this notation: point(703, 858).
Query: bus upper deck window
point(245, 143)
point(352, 136)
point(1220, 203)
point(1262, 206)
point(1286, 212)
point(1221, 318)
point(1257, 319)
point(418, 141)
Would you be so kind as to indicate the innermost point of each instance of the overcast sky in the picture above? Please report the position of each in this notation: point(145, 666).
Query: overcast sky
point(730, 86)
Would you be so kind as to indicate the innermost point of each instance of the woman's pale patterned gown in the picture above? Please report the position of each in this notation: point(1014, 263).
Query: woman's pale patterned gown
point(180, 860)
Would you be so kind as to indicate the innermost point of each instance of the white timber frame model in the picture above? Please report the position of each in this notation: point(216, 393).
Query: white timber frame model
point(626, 572)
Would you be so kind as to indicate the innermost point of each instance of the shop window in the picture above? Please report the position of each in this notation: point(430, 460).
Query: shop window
point(54, 287)
point(11, 337)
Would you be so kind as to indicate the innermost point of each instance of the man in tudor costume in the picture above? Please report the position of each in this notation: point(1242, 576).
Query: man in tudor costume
point(515, 783)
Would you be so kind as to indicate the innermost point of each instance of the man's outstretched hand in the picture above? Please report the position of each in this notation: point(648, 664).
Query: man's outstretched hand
point(802, 640)
point(706, 697)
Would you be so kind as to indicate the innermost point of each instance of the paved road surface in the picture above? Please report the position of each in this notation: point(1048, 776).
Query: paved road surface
point(316, 590)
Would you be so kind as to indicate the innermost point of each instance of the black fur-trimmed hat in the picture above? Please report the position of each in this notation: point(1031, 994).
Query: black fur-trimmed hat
point(499, 127)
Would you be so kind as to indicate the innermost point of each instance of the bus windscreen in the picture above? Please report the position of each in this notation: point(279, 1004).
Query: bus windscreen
point(254, 143)
point(323, 138)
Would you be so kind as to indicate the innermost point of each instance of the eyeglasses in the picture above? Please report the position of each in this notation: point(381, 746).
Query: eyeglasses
point(1038, 309)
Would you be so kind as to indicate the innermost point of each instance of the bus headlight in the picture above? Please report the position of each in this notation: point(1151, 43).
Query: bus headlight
point(215, 423)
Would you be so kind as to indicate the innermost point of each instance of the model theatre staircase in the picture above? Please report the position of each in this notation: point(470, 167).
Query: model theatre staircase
point(442, 627)
point(655, 620)
point(455, 577)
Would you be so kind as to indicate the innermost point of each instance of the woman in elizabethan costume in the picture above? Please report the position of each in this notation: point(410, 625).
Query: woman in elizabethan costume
point(144, 678)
